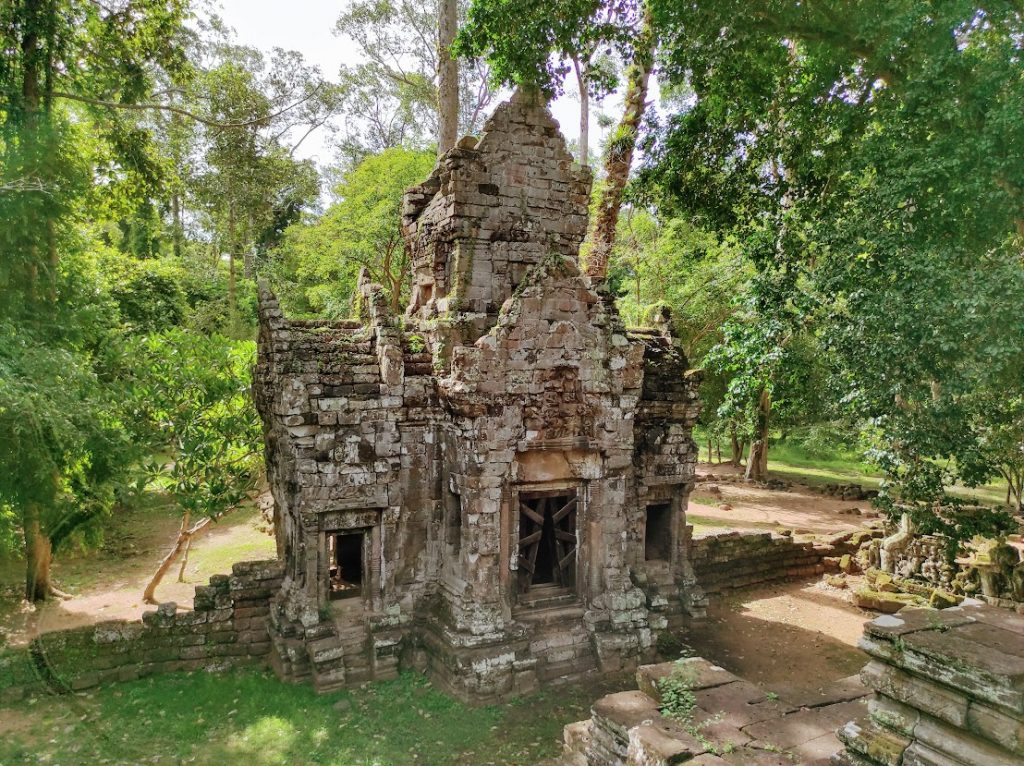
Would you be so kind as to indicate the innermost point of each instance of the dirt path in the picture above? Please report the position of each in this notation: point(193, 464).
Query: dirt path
point(795, 639)
point(723, 506)
point(108, 584)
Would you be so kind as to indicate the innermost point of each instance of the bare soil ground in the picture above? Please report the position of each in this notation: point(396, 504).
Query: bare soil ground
point(756, 509)
point(795, 639)
point(107, 584)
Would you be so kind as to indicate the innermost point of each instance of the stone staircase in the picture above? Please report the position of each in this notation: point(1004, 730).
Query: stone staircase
point(341, 658)
point(559, 639)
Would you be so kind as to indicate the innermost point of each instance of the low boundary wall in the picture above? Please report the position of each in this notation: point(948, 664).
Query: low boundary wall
point(737, 560)
point(227, 627)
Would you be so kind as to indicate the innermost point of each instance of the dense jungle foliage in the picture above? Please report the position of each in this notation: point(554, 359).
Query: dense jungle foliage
point(827, 195)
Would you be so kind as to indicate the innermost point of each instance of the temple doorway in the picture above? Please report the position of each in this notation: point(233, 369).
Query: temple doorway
point(658, 532)
point(346, 556)
point(547, 539)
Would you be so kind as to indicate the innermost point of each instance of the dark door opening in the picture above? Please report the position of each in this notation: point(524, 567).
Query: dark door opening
point(547, 539)
point(658, 532)
point(345, 562)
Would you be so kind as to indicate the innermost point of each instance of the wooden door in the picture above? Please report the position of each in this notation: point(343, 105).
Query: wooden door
point(547, 539)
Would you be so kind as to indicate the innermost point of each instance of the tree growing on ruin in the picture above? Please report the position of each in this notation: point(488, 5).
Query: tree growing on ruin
point(537, 44)
point(393, 98)
point(447, 77)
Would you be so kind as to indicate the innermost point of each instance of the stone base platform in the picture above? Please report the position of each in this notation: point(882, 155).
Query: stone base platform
point(948, 690)
point(733, 723)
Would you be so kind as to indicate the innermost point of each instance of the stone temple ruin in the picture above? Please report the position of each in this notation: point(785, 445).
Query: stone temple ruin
point(493, 487)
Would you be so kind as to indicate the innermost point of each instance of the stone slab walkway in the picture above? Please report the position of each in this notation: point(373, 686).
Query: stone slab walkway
point(733, 723)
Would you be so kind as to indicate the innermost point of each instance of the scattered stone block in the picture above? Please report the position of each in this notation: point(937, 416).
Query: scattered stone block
point(837, 581)
point(887, 603)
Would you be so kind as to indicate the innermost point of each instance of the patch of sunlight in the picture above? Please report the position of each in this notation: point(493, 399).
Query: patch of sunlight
point(267, 742)
point(821, 475)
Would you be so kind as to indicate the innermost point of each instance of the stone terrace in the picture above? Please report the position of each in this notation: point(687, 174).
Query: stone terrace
point(949, 690)
point(734, 723)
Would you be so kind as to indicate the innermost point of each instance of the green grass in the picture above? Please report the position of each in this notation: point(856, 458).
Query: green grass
point(251, 718)
point(247, 543)
point(705, 523)
point(789, 461)
point(838, 468)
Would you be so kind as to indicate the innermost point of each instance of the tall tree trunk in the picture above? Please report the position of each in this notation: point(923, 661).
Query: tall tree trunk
point(232, 299)
point(36, 15)
point(176, 232)
point(619, 155)
point(757, 463)
point(38, 557)
point(737, 447)
point(32, 64)
point(1014, 489)
point(447, 77)
point(249, 254)
point(581, 83)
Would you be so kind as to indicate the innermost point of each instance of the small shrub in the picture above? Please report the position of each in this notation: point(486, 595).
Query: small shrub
point(416, 344)
point(676, 689)
point(668, 644)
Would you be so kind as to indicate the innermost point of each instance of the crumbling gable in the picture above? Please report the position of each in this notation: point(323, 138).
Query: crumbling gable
point(492, 209)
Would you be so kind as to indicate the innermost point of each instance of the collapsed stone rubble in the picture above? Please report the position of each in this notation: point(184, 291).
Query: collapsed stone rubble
point(731, 722)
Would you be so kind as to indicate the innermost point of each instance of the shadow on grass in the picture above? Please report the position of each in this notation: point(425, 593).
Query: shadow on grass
point(253, 719)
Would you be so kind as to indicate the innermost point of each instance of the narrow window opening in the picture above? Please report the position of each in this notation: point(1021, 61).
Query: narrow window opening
point(345, 556)
point(658, 532)
point(453, 512)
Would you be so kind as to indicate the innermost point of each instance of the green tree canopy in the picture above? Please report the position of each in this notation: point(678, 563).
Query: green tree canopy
point(319, 260)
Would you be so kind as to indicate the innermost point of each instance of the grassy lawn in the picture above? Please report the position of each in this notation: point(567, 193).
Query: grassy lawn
point(251, 718)
point(786, 461)
point(703, 524)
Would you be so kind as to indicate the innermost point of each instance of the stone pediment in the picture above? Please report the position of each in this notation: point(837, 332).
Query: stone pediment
point(554, 331)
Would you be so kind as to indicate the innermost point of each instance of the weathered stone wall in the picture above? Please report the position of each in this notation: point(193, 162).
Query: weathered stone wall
point(492, 209)
point(739, 559)
point(948, 690)
point(227, 628)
